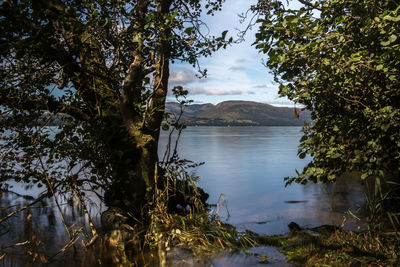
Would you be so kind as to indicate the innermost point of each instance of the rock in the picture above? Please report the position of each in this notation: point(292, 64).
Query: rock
point(293, 227)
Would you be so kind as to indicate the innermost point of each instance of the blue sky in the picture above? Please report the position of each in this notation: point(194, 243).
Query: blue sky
point(235, 73)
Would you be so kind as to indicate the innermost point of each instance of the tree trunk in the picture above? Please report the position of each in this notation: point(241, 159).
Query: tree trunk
point(133, 189)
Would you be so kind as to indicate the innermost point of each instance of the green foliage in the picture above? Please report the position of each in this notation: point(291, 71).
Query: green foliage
point(194, 227)
point(97, 73)
point(323, 247)
point(381, 203)
point(340, 60)
point(82, 99)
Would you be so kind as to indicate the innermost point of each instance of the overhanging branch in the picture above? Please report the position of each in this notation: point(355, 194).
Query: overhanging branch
point(49, 104)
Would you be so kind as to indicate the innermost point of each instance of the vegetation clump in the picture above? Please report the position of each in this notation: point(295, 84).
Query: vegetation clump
point(340, 60)
point(101, 69)
point(332, 246)
point(179, 219)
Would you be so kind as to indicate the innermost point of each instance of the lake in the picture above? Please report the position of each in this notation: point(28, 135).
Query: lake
point(247, 165)
point(244, 170)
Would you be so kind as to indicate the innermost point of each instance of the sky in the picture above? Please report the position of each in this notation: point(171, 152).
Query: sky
point(235, 73)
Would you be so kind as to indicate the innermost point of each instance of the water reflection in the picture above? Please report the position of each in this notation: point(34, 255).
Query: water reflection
point(259, 256)
point(245, 164)
point(38, 234)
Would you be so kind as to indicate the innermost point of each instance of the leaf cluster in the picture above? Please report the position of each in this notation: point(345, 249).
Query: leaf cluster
point(340, 60)
point(67, 70)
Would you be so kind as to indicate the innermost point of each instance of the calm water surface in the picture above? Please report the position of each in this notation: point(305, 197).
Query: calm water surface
point(244, 170)
point(247, 165)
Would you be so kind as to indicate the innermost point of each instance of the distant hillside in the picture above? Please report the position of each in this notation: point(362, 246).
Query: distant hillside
point(244, 113)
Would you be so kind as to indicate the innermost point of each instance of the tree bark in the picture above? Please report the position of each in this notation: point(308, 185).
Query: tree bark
point(134, 191)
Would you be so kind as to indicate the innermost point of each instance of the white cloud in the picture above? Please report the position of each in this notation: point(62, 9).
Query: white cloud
point(234, 68)
point(224, 92)
point(197, 91)
point(235, 73)
point(202, 91)
point(241, 60)
point(267, 85)
point(181, 77)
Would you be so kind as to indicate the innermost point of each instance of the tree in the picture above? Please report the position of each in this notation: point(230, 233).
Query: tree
point(339, 59)
point(98, 70)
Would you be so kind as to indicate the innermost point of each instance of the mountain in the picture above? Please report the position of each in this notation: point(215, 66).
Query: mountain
point(244, 113)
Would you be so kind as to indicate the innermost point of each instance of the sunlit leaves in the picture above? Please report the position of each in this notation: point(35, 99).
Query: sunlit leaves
point(65, 67)
point(342, 63)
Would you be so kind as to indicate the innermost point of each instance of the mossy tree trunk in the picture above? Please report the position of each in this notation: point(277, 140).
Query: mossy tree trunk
point(88, 64)
point(134, 189)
